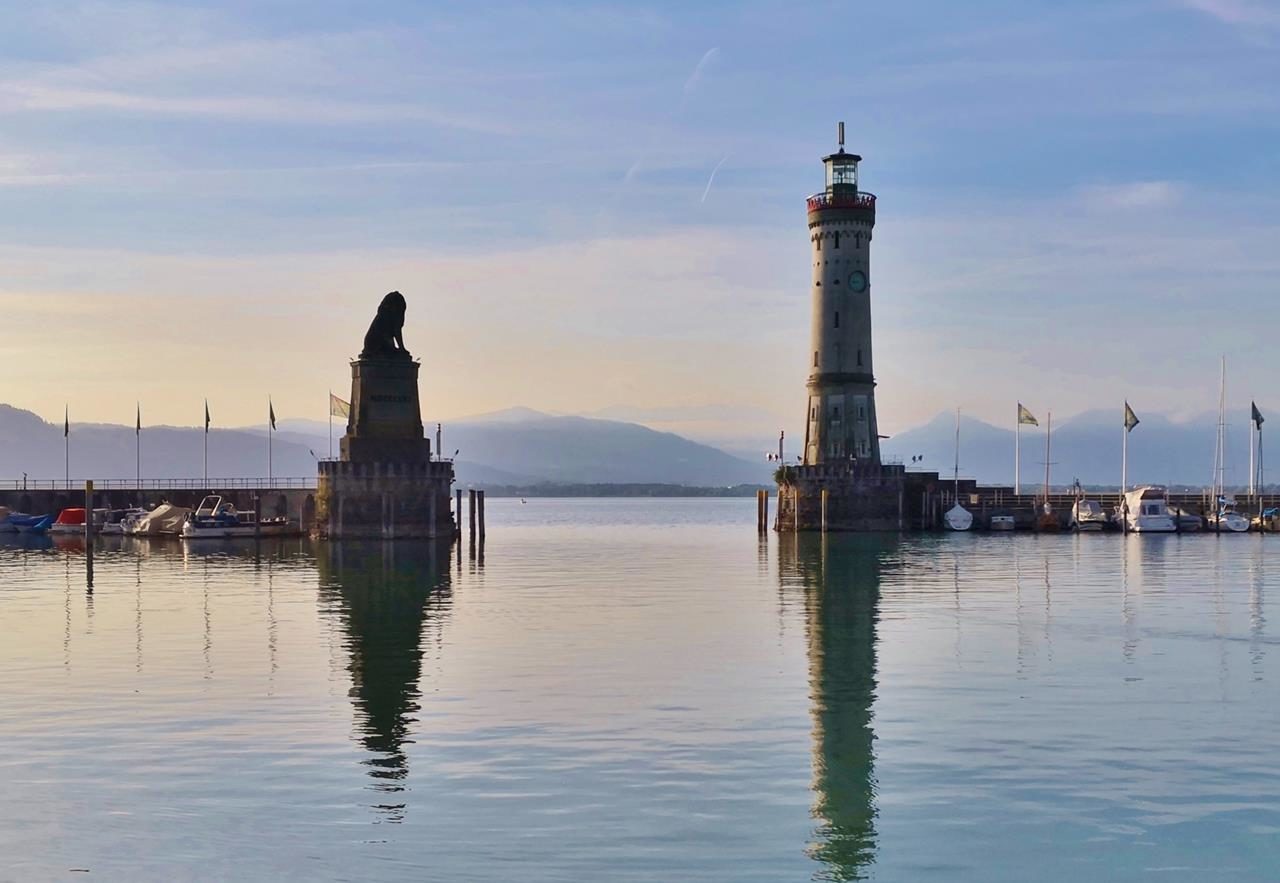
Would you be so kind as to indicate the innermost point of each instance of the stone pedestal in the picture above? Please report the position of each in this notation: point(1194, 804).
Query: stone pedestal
point(385, 485)
point(860, 497)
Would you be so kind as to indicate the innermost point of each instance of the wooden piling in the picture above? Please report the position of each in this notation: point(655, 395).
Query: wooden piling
point(824, 509)
point(257, 516)
point(457, 516)
point(88, 510)
point(471, 514)
point(480, 510)
point(765, 500)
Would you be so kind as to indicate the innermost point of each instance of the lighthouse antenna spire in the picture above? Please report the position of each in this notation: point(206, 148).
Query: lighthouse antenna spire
point(840, 134)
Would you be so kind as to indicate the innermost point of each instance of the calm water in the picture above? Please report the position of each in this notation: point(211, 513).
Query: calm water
point(640, 690)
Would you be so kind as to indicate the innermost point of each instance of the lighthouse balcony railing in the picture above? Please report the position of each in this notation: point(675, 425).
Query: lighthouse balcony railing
point(858, 200)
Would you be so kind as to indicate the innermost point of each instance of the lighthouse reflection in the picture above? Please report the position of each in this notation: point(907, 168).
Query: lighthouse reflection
point(389, 598)
point(837, 579)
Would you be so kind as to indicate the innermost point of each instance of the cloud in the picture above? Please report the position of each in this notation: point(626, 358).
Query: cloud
point(1241, 13)
point(1133, 195)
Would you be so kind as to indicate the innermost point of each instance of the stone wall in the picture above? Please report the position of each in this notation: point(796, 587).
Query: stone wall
point(376, 500)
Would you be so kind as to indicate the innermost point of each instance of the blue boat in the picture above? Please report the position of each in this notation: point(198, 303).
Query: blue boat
point(31, 523)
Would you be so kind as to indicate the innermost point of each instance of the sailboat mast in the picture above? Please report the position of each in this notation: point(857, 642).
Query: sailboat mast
point(1048, 432)
point(1220, 478)
point(957, 469)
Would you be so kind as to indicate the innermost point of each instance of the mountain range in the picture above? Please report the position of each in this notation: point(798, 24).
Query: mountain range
point(518, 447)
point(1086, 446)
point(523, 447)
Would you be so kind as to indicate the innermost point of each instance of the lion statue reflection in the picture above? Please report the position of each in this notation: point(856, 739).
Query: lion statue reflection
point(385, 338)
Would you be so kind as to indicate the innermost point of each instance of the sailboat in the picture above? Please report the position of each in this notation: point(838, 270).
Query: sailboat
point(1224, 515)
point(958, 517)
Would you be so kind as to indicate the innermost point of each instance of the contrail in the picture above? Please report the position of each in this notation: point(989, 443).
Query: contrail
point(712, 178)
point(707, 58)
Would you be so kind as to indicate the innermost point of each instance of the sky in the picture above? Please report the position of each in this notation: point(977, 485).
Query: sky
point(599, 208)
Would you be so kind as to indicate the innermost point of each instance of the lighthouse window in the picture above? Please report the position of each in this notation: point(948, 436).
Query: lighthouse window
point(819, 242)
point(837, 243)
point(859, 358)
point(837, 318)
point(815, 358)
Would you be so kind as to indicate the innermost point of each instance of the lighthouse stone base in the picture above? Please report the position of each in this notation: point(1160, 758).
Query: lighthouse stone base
point(385, 485)
point(858, 497)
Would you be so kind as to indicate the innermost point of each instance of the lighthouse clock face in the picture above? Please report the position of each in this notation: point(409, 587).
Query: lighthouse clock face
point(858, 281)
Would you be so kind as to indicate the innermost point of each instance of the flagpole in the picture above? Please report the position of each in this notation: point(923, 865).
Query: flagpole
point(1017, 454)
point(1124, 461)
point(330, 424)
point(1253, 484)
point(270, 431)
point(66, 447)
point(137, 448)
point(206, 443)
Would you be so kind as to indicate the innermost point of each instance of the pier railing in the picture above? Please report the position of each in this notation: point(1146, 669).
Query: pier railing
point(190, 484)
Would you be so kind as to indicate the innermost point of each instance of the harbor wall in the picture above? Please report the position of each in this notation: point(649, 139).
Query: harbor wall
point(298, 504)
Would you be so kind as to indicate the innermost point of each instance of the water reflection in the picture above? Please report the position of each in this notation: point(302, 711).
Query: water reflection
point(385, 595)
point(839, 577)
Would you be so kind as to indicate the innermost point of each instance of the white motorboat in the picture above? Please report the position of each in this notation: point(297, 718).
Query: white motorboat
point(218, 519)
point(1088, 516)
point(119, 520)
point(1146, 510)
point(1002, 522)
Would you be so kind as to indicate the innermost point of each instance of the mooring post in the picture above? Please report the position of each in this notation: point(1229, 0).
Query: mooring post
point(766, 511)
point(257, 517)
point(471, 514)
point(824, 510)
point(88, 510)
point(795, 508)
point(760, 512)
point(457, 516)
point(480, 507)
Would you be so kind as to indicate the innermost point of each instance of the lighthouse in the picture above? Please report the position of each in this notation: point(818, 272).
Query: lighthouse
point(841, 420)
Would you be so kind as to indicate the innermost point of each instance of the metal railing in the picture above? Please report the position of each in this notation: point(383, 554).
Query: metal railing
point(859, 199)
point(190, 484)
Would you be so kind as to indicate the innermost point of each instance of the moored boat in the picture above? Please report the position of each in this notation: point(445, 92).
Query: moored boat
point(1226, 519)
point(31, 523)
point(1088, 516)
point(164, 520)
point(5, 525)
point(1267, 521)
point(217, 519)
point(117, 520)
point(957, 517)
point(68, 521)
point(1146, 510)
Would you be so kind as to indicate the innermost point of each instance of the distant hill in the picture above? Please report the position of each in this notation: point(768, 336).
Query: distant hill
point(1086, 446)
point(515, 447)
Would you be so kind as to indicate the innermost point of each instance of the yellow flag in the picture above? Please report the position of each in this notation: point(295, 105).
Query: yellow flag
point(1024, 416)
point(338, 408)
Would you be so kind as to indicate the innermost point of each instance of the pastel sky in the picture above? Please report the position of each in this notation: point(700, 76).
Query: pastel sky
point(600, 208)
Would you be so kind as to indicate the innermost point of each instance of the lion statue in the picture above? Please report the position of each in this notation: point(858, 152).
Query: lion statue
point(384, 339)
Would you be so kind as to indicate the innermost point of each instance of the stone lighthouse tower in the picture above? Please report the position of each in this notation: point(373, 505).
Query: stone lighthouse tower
point(841, 421)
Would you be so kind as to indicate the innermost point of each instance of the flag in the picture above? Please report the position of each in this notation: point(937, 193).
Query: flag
point(137, 429)
point(66, 422)
point(271, 413)
point(338, 408)
point(1025, 416)
point(1130, 418)
point(206, 416)
point(1257, 416)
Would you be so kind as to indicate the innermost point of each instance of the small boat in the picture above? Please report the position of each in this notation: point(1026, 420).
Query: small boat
point(1087, 516)
point(217, 519)
point(1188, 522)
point(31, 523)
point(1002, 521)
point(164, 520)
point(1226, 519)
point(1267, 521)
point(5, 525)
point(117, 520)
point(69, 521)
point(1146, 510)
